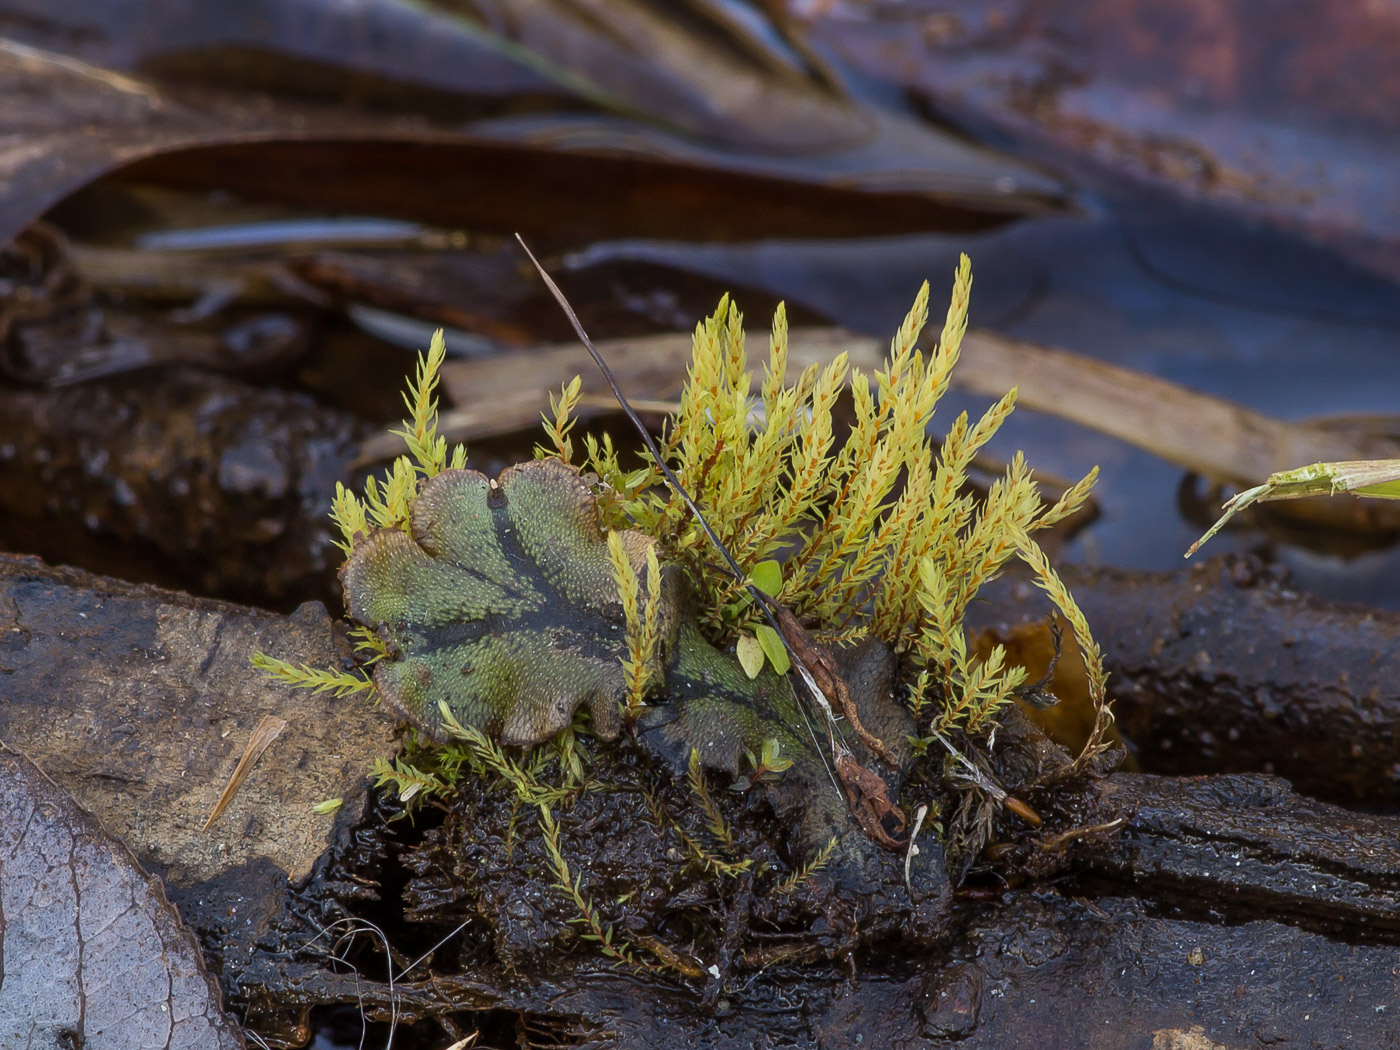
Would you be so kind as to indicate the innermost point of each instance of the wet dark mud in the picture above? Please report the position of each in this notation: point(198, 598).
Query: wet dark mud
point(1215, 916)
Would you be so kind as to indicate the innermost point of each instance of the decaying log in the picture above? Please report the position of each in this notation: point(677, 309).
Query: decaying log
point(1220, 668)
point(183, 478)
point(1245, 846)
point(1228, 913)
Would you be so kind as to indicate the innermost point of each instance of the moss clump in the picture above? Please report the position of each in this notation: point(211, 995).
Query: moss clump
point(877, 535)
point(499, 612)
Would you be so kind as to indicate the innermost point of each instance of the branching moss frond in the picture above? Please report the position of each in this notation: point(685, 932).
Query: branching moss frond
point(369, 647)
point(489, 757)
point(951, 574)
point(642, 616)
point(419, 432)
point(711, 861)
point(1049, 581)
point(566, 750)
point(561, 407)
point(303, 676)
point(714, 817)
point(1070, 501)
point(571, 885)
point(407, 781)
point(386, 501)
point(349, 516)
point(954, 326)
point(724, 862)
point(809, 868)
point(879, 535)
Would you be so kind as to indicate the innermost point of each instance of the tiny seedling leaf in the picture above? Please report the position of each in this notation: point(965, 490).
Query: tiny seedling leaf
point(772, 757)
point(750, 652)
point(767, 576)
point(772, 643)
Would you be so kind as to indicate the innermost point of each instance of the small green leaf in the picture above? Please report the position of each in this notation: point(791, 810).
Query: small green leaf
point(772, 644)
point(750, 652)
point(330, 805)
point(772, 757)
point(767, 576)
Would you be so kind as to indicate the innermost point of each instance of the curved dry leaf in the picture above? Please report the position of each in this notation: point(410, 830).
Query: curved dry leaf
point(1290, 130)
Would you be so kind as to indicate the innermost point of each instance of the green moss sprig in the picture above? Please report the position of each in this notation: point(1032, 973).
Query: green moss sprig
point(878, 536)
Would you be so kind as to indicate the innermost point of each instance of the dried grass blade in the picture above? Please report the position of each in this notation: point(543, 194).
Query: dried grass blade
point(268, 729)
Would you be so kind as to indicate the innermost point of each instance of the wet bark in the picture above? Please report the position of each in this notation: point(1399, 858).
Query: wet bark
point(139, 702)
point(1220, 668)
point(1245, 847)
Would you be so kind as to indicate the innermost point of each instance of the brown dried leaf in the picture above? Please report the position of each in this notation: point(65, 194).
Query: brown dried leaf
point(869, 798)
point(828, 678)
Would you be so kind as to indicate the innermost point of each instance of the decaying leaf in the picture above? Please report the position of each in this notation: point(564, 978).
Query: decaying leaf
point(870, 802)
point(501, 605)
point(828, 678)
point(91, 952)
point(1376, 478)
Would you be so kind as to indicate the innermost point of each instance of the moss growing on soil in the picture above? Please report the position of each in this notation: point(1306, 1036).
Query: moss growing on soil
point(520, 623)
